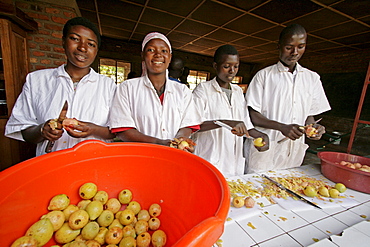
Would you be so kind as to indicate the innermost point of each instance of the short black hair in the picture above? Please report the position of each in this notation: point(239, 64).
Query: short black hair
point(82, 22)
point(290, 30)
point(224, 50)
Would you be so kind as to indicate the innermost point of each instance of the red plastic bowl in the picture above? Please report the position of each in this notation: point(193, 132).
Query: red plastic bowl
point(351, 178)
point(193, 194)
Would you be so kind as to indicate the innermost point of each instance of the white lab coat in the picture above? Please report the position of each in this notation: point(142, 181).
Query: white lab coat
point(43, 97)
point(219, 146)
point(279, 95)
point(137, 105)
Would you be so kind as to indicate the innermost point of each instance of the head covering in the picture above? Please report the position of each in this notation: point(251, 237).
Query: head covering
point(149, 37)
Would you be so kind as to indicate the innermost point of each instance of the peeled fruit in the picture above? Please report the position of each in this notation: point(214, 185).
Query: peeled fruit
point(69, 121)
point(83, 203)
point(134, 206)
point(66, 234)
point(92, 243)
point(249, 202)
point(90, 231)
point(258, 142)
point(101, 196)
point(340, 187)
point(59, 202)
point(115, 223)
point(238, 202)
point(88, 190)
point(159, 238)
point(113, 205)
point(76, 244)
point(334, 193)
point(56, 217)
point(141, 226)
point(78, 219)
point(25, 241)
point(310, 191)
point(125, 196)
point(94, 209)
point(143, 240)
point(69, 210)
point(129, 231)
point(105, 218)
point(143, 215)
point(126, 217)
point(127, 242)
point(310, 131)
point(155, 210)
point(100, 238)
point(114, 235)
point(154, 224)
point(324, 191)
point(182, 145)
point(42, 231)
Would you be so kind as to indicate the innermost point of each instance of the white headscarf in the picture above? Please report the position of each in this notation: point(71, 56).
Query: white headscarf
point(148, 37)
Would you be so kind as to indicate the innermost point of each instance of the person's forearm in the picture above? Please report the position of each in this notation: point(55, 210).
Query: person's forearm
point(103, 132)
point(33, 134)
point(133, 135)
point(261, 121)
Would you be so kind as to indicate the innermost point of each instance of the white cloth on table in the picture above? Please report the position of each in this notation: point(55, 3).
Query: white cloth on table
point(137, 105)
point(219, 146)
point(43, 96)
point(280, 96)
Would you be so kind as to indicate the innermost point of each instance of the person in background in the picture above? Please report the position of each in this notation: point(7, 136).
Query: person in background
point(219, 99)
point(131, 75)
point(281, 99)
point(89, 95)
point(153, 108)
point(175, 69)
point(184, 76)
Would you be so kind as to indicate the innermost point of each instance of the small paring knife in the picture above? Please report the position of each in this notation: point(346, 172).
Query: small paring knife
point(289, 191)
point(226, 126)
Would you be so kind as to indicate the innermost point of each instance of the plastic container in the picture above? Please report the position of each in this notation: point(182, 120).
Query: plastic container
point(194, 195)
point(351, 178)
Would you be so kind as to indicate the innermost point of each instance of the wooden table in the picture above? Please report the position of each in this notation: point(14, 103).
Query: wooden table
point(299, 224)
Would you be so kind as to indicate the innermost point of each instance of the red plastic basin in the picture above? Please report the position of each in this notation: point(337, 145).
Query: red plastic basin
point(351, 178)
point(194, 195)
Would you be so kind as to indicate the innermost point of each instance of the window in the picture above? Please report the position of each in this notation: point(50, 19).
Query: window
point(117, 70)
point(195, 77)
point(237, 79)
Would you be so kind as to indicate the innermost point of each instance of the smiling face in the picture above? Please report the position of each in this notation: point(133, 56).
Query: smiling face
point(227, 68)
point(81, 47)
point(291, 48)
point(157, 56)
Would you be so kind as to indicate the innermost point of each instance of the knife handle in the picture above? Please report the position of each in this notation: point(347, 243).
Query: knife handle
point(49, 146)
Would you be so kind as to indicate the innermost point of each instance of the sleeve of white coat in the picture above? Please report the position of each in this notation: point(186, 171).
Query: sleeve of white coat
point(320, 103)
point(200, 100)
point(254, 93)
point(23, 114)
point(191, 114)
point(120, 114)
point(247, 121)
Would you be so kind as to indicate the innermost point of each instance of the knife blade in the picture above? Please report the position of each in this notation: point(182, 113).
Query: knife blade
point(226, 126)
point(62, 116)
point(286, 138)
point(290, 191)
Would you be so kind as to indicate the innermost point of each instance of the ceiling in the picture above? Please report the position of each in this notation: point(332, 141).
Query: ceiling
point(252, 26)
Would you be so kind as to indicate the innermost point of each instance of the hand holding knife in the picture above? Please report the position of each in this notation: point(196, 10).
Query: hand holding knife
point(303, 127)
point(62, 116)
point(226, 126)
point(289, 191)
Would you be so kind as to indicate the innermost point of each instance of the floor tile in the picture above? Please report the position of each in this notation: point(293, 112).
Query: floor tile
point(286, 220)
point(257, 225)
point(362, 210)
point(311, 216)
point(363, 227)
point(330, 226)
point(349, 218)
point(235, 236)
point(283, 240)
point(323, 243)
point(307, 235)
point(351, 237)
